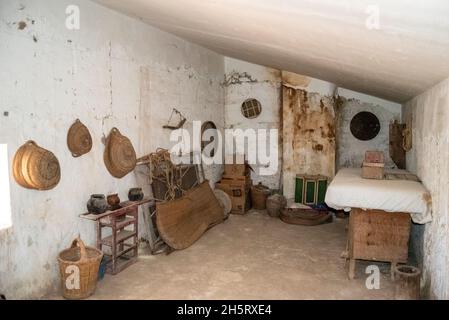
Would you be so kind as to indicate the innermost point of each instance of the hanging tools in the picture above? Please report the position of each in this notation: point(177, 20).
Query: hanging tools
point(181, 122)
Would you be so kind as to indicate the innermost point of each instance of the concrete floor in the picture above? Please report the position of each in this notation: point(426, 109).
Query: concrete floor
point(250, 257)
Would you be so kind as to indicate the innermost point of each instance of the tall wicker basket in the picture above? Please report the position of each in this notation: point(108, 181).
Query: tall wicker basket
point(78, 267)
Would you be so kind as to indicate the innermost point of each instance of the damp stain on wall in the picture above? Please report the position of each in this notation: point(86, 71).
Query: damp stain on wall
point(308, 135)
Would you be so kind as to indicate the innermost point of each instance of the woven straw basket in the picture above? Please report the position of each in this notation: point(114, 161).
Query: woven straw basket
point(79, 261)
point(119, 155)
point(79, 140)
point(35, 167)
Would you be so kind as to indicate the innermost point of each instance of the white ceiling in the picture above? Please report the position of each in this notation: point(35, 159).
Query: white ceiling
point(324, 39)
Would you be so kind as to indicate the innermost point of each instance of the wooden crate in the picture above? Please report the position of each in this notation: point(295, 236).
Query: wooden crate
point(237, 169)
point(374, 156)
point(377, 235)
point(238, 191)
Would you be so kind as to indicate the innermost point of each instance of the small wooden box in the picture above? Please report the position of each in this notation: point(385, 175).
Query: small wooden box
point(237, 170)
point(372, 170)
point(374, 157)
point(238, 191)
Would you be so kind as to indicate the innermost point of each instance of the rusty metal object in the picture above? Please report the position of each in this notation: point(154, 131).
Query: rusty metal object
point(182, 221)
point(79, 140)
point(119, 155)
point(305, 217)
point(365, 126)
point(35, 167)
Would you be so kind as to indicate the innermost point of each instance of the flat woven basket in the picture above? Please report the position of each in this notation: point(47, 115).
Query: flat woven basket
point(79, 140)
point(78, 267)
point(119, 155)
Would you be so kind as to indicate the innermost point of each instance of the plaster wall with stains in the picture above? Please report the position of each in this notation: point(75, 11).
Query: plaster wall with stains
point(308, 136)
point(320, 142)
point(427, 115)
point(115, 71)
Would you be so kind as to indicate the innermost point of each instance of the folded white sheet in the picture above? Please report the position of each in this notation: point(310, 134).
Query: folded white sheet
point(349, 190)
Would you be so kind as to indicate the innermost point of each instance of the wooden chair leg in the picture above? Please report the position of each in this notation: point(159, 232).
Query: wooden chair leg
point(392, 268)
point(351, 272)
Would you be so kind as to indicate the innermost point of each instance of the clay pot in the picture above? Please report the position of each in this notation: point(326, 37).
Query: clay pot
point(97, 204)
point(275, 204)
point(135, 194)
point(114, 201)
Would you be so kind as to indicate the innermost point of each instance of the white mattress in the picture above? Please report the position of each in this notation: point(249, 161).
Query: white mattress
point(349, 190)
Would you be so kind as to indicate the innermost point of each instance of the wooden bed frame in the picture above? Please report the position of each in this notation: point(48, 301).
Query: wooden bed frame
point(377, 235)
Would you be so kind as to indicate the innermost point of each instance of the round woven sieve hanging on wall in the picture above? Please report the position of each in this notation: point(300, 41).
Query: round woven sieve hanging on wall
point(79, 140)
point(365, 126)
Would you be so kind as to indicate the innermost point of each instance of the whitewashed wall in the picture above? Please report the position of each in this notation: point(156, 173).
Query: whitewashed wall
point(350, 150)
point(428, 115)
point(263, 84)
point(114, 71)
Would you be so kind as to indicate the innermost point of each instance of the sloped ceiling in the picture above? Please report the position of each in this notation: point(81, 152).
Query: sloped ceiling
point(325, 39)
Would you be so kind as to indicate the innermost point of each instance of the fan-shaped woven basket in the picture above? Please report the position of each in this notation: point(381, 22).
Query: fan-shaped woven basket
point(35, 167)
point(79, 140)
point(119, 155)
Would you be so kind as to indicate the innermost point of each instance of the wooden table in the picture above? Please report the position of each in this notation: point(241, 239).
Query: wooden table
point(123, 243)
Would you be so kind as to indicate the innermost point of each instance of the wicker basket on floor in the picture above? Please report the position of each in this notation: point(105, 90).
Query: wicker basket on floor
point(78, 267)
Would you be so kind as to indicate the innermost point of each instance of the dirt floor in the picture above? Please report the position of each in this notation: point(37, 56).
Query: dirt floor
point(250, 257)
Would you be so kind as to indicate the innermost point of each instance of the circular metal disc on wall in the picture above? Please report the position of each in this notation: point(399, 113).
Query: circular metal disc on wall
point(365, 126)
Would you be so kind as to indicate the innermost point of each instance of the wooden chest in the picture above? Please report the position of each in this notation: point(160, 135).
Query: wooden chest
point(378, 236)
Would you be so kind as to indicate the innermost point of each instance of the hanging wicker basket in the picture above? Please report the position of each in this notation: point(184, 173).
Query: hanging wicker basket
point(78, 267)
point(35, 167)
point(79, 140)
point(119, 155)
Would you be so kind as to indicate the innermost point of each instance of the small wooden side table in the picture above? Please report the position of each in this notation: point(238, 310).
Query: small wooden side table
point(122, 253)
